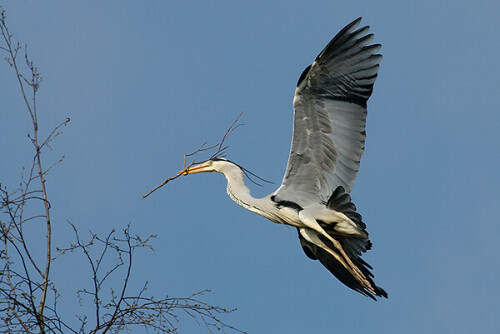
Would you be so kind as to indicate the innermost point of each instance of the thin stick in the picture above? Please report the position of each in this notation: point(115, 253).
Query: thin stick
point(220, 153)
point(162, 184)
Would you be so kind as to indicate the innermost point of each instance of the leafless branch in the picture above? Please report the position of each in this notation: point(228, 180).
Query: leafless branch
point(118, 310)
point(28, 296)
point(219, 153)
point(28, 85)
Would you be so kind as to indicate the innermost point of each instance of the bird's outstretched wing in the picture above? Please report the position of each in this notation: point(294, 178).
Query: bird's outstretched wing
point(329, 118)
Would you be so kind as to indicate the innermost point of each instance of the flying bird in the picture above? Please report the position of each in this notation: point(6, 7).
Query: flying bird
point(330, 108)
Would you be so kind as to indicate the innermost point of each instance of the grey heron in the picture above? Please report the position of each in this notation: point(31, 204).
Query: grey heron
point(330, 108)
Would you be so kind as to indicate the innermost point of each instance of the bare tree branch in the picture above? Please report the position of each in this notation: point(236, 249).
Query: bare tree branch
point(33, 82)
point(28, 296)
point(115, 312)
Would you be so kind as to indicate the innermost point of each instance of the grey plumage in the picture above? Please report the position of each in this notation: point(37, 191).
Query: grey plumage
point(327, 144)
point(329, 119)
point(329, 139)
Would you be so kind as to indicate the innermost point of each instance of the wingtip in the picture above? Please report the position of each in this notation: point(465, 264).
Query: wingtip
point(354, 24)
point(344, 33)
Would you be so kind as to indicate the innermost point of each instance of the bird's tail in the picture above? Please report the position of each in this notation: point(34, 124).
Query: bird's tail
point(341, 254)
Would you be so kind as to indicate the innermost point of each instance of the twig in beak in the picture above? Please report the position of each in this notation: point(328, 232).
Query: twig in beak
point(218, 154)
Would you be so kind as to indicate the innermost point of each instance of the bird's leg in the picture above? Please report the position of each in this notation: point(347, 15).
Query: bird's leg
point(311, 223)
point(312, 237)
point(358, 274)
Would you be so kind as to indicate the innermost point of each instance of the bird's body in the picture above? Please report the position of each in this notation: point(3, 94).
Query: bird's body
point(281, 212)
point(327, 144)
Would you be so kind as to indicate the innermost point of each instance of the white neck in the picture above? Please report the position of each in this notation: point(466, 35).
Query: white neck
point(239, 192)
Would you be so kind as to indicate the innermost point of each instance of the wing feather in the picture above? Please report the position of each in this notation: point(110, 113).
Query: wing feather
point(329, 117)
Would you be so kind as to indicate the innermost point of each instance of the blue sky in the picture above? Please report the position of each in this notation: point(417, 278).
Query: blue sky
point(146, 82)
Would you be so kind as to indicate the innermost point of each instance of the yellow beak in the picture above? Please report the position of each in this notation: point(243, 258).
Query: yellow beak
point(195, 169)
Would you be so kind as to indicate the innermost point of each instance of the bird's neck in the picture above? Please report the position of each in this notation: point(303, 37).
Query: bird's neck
point(239, 192)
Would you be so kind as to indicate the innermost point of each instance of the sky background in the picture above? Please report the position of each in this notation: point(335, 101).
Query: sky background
point(145, 82)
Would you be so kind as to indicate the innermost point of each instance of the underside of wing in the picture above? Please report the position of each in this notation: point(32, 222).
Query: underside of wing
point(329, 117)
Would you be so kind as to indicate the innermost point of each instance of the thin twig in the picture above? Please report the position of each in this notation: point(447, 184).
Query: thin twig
point(33, 82)
point(28, 297)
point(219, 153)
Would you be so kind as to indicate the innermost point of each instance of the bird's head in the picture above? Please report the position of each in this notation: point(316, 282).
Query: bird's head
point(223, 166)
